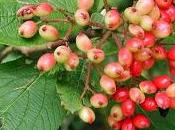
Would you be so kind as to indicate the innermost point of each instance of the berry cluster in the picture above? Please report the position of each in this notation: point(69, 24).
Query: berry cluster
point(148, 21)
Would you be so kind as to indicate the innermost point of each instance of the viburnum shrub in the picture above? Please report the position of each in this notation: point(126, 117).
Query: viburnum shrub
point(107, 60)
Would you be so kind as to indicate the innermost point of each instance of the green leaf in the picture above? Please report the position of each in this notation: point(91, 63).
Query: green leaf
point(120, 4)
point(97, 17)
point(28, 100)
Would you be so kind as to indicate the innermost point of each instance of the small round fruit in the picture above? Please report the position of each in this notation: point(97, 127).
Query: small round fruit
point(49, 33)
point(159, 52)
point(172, 63)
point(162, 100)
point(112, 19)
point(113, 123)
point(128, 107)
point(149, 104)
point(121, 95)
point(108, 84)
point(172, 71)
point(143, 54)
point(171, 12)
point(148, 64)
point(43, 9)
point(125, 75)
point(141, 121)
point(162, 82)
point(26, 12)
point(85, 4)
point(82, 17)
point(136, 95)
point(148, 87)
point(83, 42)
point(165, 16)
point(96, 55)
point(128, 124)
point(146, 22)
point(136, 31)
point(163, 4)
point(171, 53)
point(113, 69)
point(172, 103)
point(155, 13)
point(28, 29)
point(116, 112)
point(99, 100)
point(149, 40)
point(136, 68)
point(87, 115)
point(170, 91)
point(46, 62)
point(72, 63)
point(61, 54)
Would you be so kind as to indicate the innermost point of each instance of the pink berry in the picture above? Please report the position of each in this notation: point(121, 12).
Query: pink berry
point(149, 104)
point(159, 52)
point(108, 84)
point(162, 81)
point(146, 22)
point(170, 91)
point(171, 12)
point(155, 13)
point(165, 16)
point(113, 69)
point(148, 87)
point(143, 54)
point(112, 19)
point(136, 95)
point(117, 113)
point(148, 64)
point(61, 54)
point(82, 17)
point(163, 4)
point(96, 55)
point(85, 4)
point(128, 107)
point(128, 124)
point(136, 68)
point(43, 9)
point(46, 62)
point(99, 100)
point(28, 29)
point(72, 62)
point(125, 75)
point(26, 12)
point(121, 95)
point(171, 53)
point(162, 100)
point(49, 33)
point(136, 31)
point(87, 115)
point(141, 121)
point(83, 42)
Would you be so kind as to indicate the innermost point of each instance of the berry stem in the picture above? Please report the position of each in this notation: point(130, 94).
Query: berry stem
point(117, 40)
point(104, 39)
point(68, 33)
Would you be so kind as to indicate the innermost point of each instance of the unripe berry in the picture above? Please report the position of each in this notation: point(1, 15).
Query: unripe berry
point(141, 121)
point(149, 104)
point(136, 68)
point(159, 52)
point(116, 112)
point(28, 29)
point(172, 103)
point(146, 22)
point(87, 115)
point(162, 81)
point(143, 55)
point(165, 16)
point(82, 17)
point(161, 29)
point(171, 53)
point(171, 12)
point(112, 19)
point(136, 95)
point(134, 44)
point(113, 69)
point(125, 75)
point(162, 100)
point(148, 87)
point(96, 55)
point(149, 40)
point(132, 15)
point(26, 12)
point(85, 4)
point(72, 63)
point(170, 91)
point(163, 4)
point(125, 57)
point(46, 62)
point(121, 95)
point(155, 13)
point(99, 100)
point(144, 6)
point(49, 33)
point(61, 54)
point(128, 107)
point(128, 124)
point(148, 64)
point(108, 84)
point(43, 9)
point(83, 42)
point(136, 31)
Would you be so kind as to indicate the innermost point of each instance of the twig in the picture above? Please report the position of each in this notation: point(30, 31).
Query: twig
point(95, 24)
point(104, 38)
point(68, 33)
point(5, 52)
point(117, 40)
point(106, 5)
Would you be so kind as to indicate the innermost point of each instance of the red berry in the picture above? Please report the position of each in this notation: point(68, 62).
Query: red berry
point(136, 95)
point(149, 104)
point(155, 13)
point(172, 103)
point(118, 125)
point(146, 22)
point(87, 115)
point(128, 107)
point(72, 63)
point(117, 113)
point(162, 100)
point(121, 95)
point(148, 64)
point(85, 4)
point(149, 39)
point(128, 124)
point(125, 75)
point(163, 4)
point(162, 81)
point(171, 12)
point(136, 31)
point(171, 53)
point(113, 19)
point(159, 52)
point(172, 71)
point(96, 55)
point(148, 87)
point(165, 16)
point(172, 63)
point(82, 17)
point(99, 100)
point(46, 62)
point(108, 84)
point(114, 124)
point(143, 54)
point(136, 68)
point(141, 121)
point(170, 91)
point(28, 29)
point(43, 9)
point(61, 54)
point(26, 12)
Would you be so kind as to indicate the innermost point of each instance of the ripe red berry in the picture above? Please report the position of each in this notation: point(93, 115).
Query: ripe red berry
point(149, 104)
point(87, 115)
point(163, 4)
point(43, 9)
point(85, 4)
point(136, 31)
point(148, 87)
point(118, 125)
point(172, 63)
point(113, 123)
point(49, 32)
point(26, 12)
point(155, 13)
point(128, 107)
point(108, 84)
point(172, 103)
point(148, 64)
point(162, 81)
point(171, 53)
point(46, 62)
point(28, 29)
point(83, 42)
point(141, 121)
point(99, 100)
point(143, 54)
point(136, 95)
point(170, 91)
point(162, 100)
point(165, 16)
point(136, 68)
point(116, 113)
point(121, 95)
point(72, 62)
point(149, 39)
point(82, 17)
point(146, 22)
point(128, 124)
point(112, 19)
point(171, 12)
point(159, 52)
point(96, 55)
point(61, 54)
point(172, 71)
